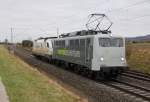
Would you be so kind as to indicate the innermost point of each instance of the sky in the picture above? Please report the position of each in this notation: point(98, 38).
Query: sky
point(31, 19)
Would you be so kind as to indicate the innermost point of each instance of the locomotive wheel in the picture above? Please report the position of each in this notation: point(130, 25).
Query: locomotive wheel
point(77, 69)
point(66, 65)
point(96, 75)
point(89, 75)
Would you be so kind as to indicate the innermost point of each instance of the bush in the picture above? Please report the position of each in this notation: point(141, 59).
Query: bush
point(27, 43)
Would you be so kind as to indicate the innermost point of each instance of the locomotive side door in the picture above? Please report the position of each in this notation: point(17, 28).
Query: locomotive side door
point(88, 51)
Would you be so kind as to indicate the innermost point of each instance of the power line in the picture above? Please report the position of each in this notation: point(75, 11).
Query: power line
point(57, 32)
point(136, 18)
point(11, 30)
point(127, 7)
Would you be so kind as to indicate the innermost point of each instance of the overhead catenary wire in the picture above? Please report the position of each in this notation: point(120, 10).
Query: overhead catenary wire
point(127, 7)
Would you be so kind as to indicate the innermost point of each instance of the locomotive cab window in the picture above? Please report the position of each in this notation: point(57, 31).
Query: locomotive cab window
point(111, 42)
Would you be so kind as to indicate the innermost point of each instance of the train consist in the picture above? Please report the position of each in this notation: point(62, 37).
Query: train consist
point(96, 52)
point(42, 47)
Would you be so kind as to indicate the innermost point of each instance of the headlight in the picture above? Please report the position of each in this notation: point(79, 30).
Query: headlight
point(122, 59)
point(102, 59)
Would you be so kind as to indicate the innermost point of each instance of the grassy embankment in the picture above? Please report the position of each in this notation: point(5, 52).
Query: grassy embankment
point(25, 84)
point(138, 56)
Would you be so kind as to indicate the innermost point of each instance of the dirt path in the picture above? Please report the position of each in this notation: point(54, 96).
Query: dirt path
point(3, 94)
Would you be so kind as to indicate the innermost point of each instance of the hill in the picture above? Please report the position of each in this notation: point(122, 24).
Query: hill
point(139, 38)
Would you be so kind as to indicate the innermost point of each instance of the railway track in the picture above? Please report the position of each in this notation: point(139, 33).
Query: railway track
point(139, 92)
point(137, 75)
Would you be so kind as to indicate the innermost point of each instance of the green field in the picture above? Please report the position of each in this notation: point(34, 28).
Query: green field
point(138, 56)
point(26, 84)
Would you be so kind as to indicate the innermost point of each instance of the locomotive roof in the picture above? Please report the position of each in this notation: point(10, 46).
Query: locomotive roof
point(89, 36)
point(46, 38)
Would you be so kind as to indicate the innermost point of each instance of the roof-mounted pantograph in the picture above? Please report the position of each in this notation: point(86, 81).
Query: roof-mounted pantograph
point(98, 22)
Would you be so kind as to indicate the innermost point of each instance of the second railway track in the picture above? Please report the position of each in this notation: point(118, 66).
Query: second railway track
point(136, 75)
point(136, 90)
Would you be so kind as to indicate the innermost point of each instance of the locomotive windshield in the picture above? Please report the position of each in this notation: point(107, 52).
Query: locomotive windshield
point(111, 42)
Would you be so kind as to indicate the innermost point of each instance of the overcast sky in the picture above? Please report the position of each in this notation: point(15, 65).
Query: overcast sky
point(35, 18)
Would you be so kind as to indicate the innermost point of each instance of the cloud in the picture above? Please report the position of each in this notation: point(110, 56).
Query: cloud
point(34, 18)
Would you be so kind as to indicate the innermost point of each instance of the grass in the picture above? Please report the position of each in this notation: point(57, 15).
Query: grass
point(138, 56)
point(26, 84)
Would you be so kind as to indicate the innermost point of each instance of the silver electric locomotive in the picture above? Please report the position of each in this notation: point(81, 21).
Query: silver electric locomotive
point(97, 52)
